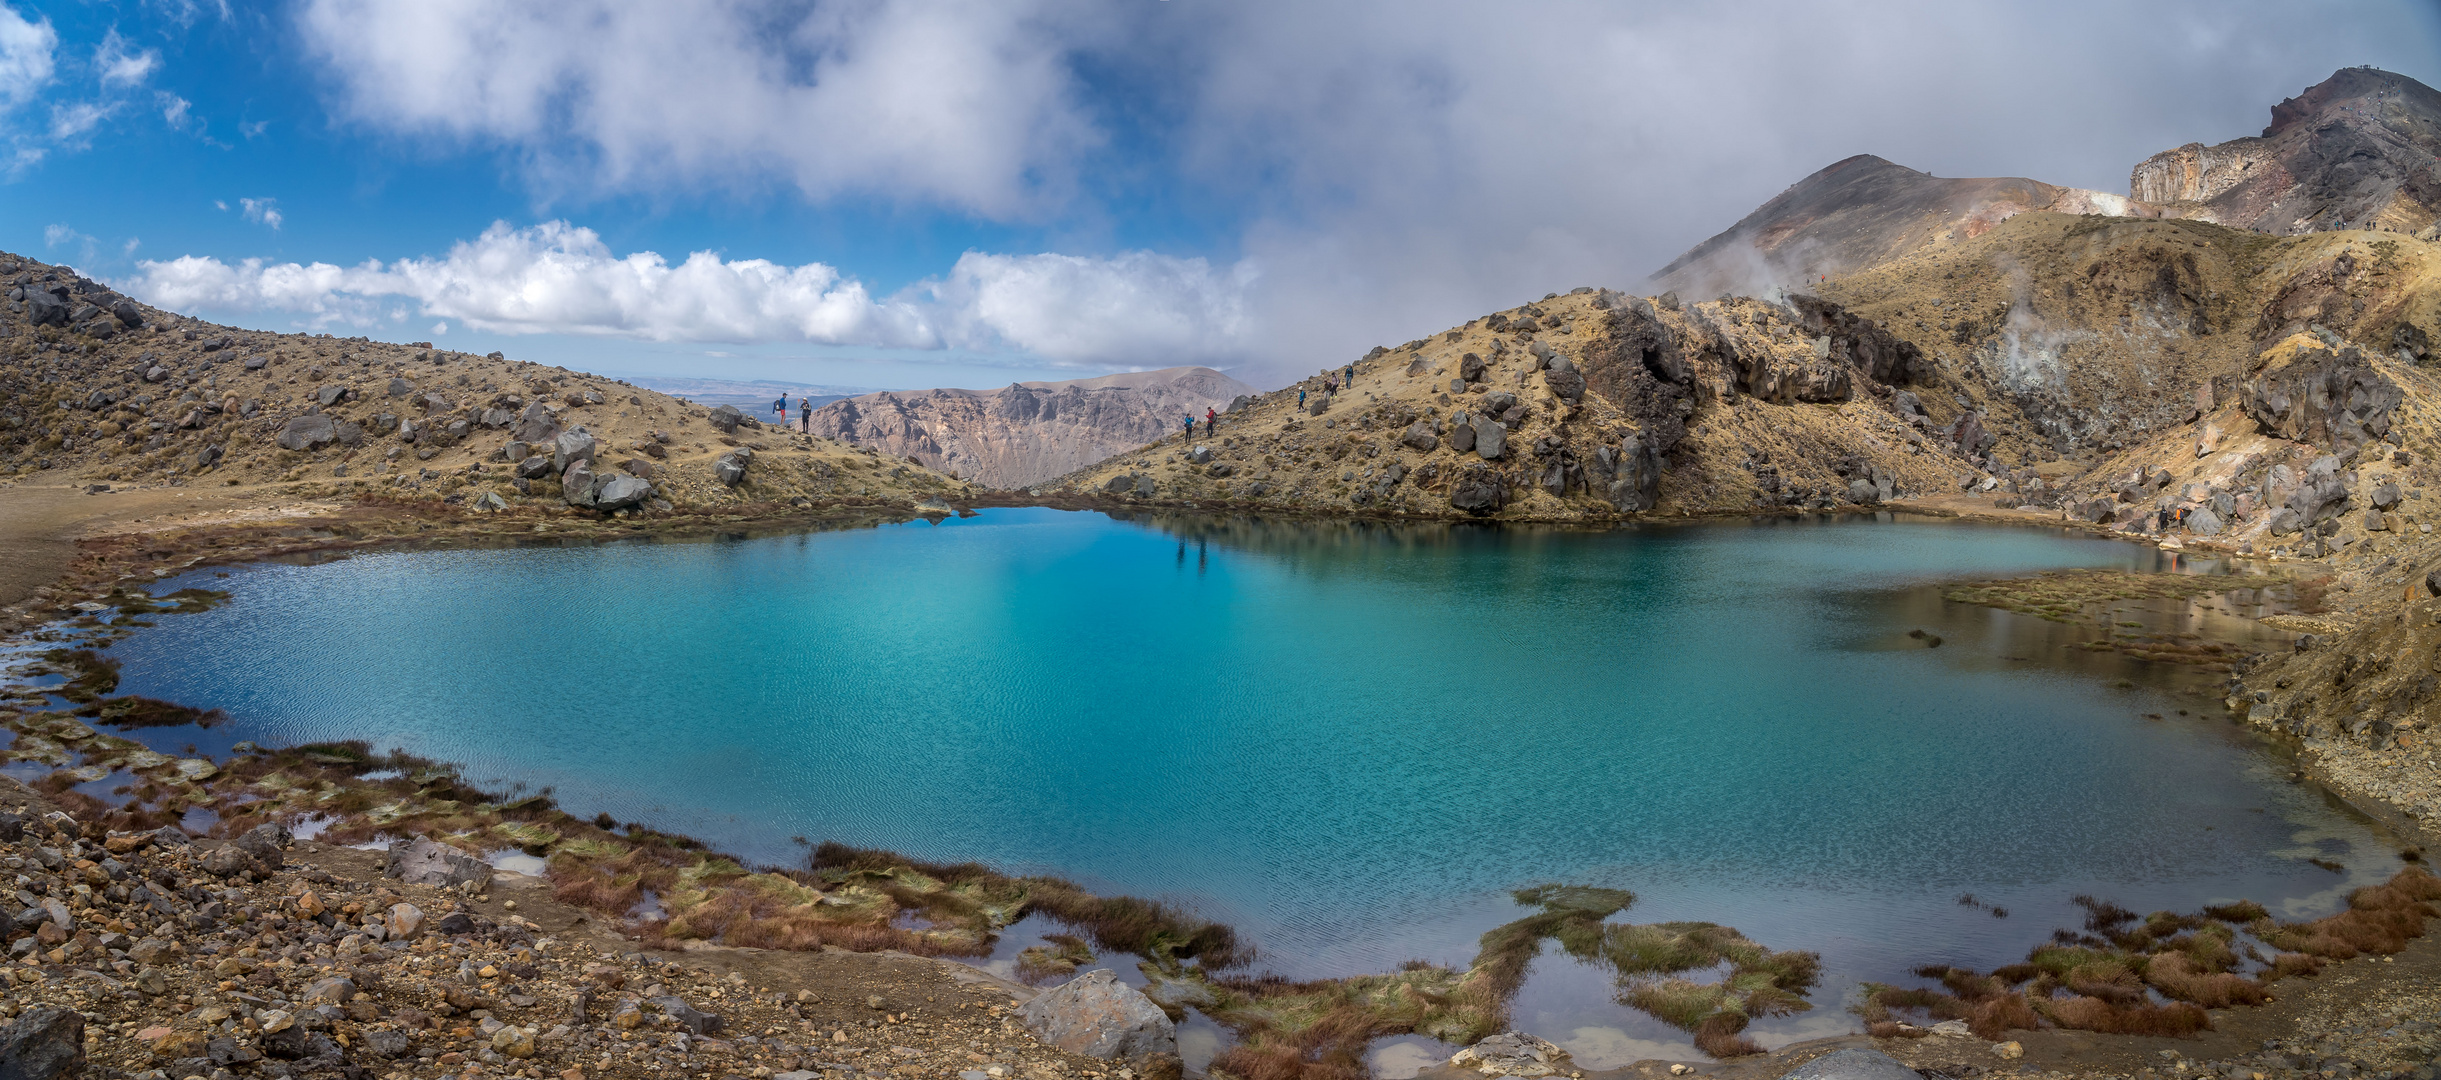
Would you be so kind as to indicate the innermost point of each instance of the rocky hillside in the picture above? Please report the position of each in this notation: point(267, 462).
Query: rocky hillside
point(1588, 405)
point(1025, 433)
point(99, 389)
point(2178, 364)
point(1860, 212)
point(2360, 150)
point(2045, 363)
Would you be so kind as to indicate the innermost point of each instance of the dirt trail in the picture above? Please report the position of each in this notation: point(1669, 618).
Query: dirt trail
point(40, 524)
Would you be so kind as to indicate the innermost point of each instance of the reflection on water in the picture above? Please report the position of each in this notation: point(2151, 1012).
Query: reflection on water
point(1348, 739)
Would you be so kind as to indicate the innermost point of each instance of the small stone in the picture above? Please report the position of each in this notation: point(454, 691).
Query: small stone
point(405, 922)
point(2009, 1051)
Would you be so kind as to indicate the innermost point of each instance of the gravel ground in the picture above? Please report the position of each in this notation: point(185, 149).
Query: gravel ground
point(166, 958)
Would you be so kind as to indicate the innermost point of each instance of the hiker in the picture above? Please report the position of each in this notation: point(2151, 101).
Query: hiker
point(1190, 435)
point(805, 414)
point(1351, 379)
point(1300, 397)
point(1211, 422)
point(781, 407)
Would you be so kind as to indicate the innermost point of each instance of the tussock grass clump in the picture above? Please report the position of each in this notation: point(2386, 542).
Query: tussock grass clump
point(2177, 1018)
point(2107, 977)
point(2379, 920)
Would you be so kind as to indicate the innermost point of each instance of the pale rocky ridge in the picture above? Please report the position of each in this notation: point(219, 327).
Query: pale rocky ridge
point(1027, 432)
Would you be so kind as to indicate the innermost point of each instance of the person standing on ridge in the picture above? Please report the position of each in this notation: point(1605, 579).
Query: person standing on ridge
point(1351, 375)
point(1211, 422)
point(781, 407)
point(1190, 435)
point(1300, 397)
point(805, 414)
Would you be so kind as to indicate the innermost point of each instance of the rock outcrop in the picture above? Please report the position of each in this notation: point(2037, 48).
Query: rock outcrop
point(1025, 433)
point(1514, 1053)
point(1098, 1016)
point(2336, 401)
point(421, 861)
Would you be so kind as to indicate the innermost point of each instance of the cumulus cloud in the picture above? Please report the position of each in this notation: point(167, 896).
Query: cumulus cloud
point(26, 61)
point(966, 102)
point(1137, 305)
point(1395, 166)
point(1136, 309)
point(262, 212)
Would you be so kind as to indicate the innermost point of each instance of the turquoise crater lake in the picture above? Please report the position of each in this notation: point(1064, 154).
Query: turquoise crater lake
point(1348, 740)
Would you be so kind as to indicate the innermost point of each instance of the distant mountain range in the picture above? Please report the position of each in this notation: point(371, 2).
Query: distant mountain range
point(1025, 433)
point(752, 395)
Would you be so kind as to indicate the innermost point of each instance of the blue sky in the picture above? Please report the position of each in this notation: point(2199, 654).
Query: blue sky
point(898, 193)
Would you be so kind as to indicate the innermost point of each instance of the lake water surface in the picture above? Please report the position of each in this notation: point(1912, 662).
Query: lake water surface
point(1347, 740)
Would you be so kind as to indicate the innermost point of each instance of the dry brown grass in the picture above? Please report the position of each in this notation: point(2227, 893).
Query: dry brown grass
point(2094, 1014)
point(2114, 966)
point(2379, 920)
point(2179, 977)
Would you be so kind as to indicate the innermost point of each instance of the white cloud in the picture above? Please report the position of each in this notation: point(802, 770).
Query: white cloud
point(1137, 306)
point(969, 103)
point(120, 67)
point(1395, 166)
point(26, 61)
point(1136, 309)
point(55, 235)
point(174, 109)
point(74, 119)
point(261, 212)
point(186, 12)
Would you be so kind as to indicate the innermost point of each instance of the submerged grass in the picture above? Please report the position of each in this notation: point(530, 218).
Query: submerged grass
point(2064, 595)
point(90, 674)
point(1318, 1030)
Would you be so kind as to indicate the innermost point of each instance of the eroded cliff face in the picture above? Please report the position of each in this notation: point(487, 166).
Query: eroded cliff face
point(2195, 172)
point(2356, 151)
point(1025, 433)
